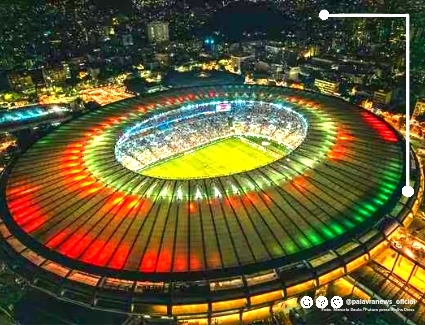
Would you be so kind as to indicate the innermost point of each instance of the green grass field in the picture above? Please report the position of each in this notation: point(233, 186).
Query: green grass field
point(223, 157)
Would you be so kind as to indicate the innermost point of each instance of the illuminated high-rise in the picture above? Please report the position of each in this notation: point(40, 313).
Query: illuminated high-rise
point(158, 32)
point(419, 107)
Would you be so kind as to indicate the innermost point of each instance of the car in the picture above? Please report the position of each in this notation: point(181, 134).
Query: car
point(396, 244)
point(416, 245)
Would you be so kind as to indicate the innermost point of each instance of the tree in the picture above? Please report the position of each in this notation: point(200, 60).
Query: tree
point(10, 292)
point(401, 122)
point(92, 105)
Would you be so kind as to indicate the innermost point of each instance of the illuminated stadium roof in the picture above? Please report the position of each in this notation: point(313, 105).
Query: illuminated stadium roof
point(71, 208)
point(32, 115)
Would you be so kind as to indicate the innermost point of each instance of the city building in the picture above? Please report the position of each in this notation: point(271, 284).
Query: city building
point(143, 4)
point(419, 107)
point(210, 46)
point(274, 47)
point(277, 71)
point(292, 73)
point(326, 86)
point(238, 58)
point(361, 33)
point(7, 142)
point(158, 32)
point(127, 40)
point(163, 59)
point(21, 81)
point(56, 75)
point(382, 98)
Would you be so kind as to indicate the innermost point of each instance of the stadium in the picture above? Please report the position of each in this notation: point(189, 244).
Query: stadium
point(207, 204)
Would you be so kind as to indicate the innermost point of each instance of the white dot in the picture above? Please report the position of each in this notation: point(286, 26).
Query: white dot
point(324, 14)
point(407, 191)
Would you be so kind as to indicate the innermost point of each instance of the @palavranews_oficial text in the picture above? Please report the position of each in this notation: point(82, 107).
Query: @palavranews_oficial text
point(372, 305)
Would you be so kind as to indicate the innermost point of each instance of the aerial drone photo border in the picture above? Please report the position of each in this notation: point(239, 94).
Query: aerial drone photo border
point(84, 228)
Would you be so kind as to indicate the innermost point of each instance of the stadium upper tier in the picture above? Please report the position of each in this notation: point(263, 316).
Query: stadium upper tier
point(24, 117)
point(178, 131)
point(98, 233)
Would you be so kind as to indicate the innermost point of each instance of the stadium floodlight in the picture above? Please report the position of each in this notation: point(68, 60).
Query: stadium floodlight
point(164, 192)
point(217, 192)
point(150, 190)
point(198, 194)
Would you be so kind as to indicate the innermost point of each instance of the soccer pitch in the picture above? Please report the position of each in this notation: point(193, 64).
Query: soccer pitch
point(223, 157)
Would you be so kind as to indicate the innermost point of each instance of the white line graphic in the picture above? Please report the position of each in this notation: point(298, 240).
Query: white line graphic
point(407, 190)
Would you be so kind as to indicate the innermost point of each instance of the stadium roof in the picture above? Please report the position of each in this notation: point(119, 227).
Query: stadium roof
point(27, 116)
point(70, 201)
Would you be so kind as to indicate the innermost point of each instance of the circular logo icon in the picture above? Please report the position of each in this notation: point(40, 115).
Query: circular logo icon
point(336, 302)
point(321, 302)
point(306, 302)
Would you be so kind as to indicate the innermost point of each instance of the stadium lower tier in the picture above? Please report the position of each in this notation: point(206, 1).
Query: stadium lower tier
point(82, 227)
point(178, 131)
